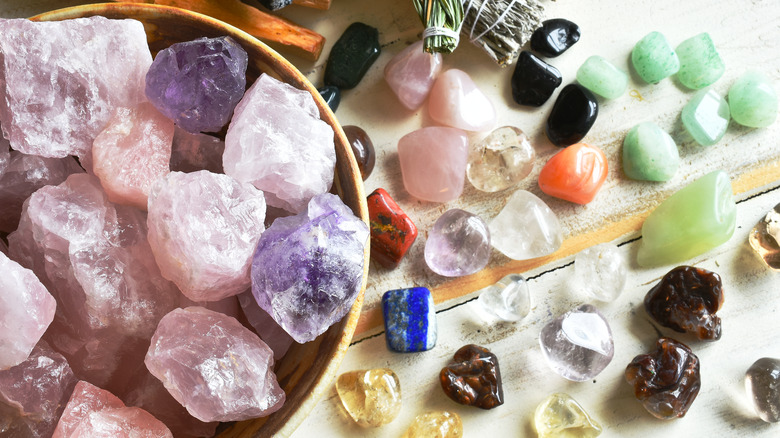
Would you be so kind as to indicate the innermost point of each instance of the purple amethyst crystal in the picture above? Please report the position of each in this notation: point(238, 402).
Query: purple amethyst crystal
point(197, 84)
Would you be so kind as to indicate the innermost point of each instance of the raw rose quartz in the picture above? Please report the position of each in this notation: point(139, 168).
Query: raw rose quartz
point(269, 330)
point(132, 152)
point(86, 398)
point(277, 142)
point(196, 351)
point(193, 152)
point(5, 154)
point(61, 81)
point(433, 163)
point(27, 309)
point(411, 73)
point(203, 229)
point(456, 101)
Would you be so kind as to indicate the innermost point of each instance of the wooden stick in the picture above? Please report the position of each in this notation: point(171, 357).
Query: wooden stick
point(323, 5)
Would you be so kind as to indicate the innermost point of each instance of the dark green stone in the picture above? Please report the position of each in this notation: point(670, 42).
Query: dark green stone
point(331, 95)
point(352, 56)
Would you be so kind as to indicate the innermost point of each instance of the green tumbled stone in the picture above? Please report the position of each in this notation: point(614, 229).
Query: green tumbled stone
point(352, 55)
point(601, 77)
point(706, 117)
point(700, 63)
point(653, 58)
point(753, 101)
point(649, 153)
point(692, 221)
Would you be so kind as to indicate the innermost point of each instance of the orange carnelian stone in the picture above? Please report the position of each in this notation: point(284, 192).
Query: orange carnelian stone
point(575, 173)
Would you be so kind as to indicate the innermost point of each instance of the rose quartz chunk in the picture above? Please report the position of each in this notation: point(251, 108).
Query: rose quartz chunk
point(60, 82)
point(132, 152)
point(203, 228)
point(193, 152)
point(218, 369)
point(456, 101)
point(433, 163)
point(27, 309)
point(411, 73)
point(277, 142)
point(5, 154)
point(265, 326)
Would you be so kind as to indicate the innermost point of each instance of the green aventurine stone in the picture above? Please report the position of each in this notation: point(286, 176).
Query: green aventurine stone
point(653, 58)
point(700, 63)
point(352, 55)
point(601, 77)
point(706, 117)
point(692, 221)
point(753, 101)
point(649, 153)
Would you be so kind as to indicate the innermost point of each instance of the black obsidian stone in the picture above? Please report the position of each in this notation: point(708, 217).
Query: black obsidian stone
point(572, 116)
point(534, 80)
point(352, 55)
point(275, 5)
point(331, 95)
point(555, 37)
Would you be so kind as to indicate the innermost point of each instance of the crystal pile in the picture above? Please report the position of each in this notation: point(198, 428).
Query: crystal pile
point(559, 415)
point(500, 160)
point(506, 300)
point(411, 73)
point(436, 424)
point(473, 378)
point(526, 228)
point(458, 244)
point(601, 272)
point(762, 383)
point(193, 152)
point(371, 397)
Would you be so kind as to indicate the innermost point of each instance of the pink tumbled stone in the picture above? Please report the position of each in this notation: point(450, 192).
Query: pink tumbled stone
point(86, 398)
point(433, 163)
point(265, 326)
point(456, 101)
point(203, 229)
point(411, 73)
point(193, 152)
point(27, 309)
point(132, 152)
point(218, 369)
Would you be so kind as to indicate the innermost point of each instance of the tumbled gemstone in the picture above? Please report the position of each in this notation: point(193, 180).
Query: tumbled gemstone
point(506, 300)
point(601, 272)
point(574, 174)
point(649, 153)
point(762, 383)
point(533, 80)
point(456, 101)
point(473, 378)
point(275, 5)
point(694, 220)
point(666, 380)
point(411, 73)
point(572, 116)
point(653, 58)
point(436, 424)
point(371, 397)
point(526, 228)
point(194, 152)
point(433, 163)
point(392, 231)
point(269, 330)
point(555, 36)
point(410, 320)
point(352, 55)
point(700, 63)
point(753, 100)
point(602, 77)
point(765, 238)
point(706, 117)
point(331, 95)
point(458, 244)
point(500, 160)
point(578, 345)
point(559, 415)
point(362, 148)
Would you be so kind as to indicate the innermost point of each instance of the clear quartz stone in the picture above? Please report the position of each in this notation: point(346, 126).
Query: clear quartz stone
point(762, 383)
point(765, 238)
point(601, 272)
point(500, 160)
point(559, 415)
point(506, 300)
point(526, 228)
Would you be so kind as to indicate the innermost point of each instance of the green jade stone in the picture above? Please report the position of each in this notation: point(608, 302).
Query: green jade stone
point(352, 55)
point(696, 219)
point(753, 101)
point(700, 63)
point(706, 117)
point(654, 59)
point(601, 77)
point(649, 153)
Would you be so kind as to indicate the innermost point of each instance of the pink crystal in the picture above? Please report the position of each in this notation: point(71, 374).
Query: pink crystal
point(277, 141)
point(86, 398)
point(5, 154)
point(456, 101)
point(27, 309)
point(433, 163)
point(269, 330)
point(132, 152)
point(203, 229)
point(193, 152)
point(60, 82)
point(233, 368)
point(411, 73)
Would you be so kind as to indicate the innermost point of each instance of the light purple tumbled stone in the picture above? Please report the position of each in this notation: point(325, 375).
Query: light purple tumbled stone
point(193, 152)
point(269, 330)
point(308, 269)
point(218, 369)
point(458, 244)
point(198, 83)
point(277, 142)
point(411, 73)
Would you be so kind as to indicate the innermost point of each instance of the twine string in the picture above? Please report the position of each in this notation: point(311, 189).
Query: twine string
point(442, 31)
point(482, 6)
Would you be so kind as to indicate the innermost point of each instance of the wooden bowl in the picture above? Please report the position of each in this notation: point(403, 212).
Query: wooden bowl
point(306, 372)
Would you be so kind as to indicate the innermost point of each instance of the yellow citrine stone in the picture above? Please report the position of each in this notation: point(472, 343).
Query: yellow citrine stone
point(436, 424)
point(560, 416)
point(371, 397)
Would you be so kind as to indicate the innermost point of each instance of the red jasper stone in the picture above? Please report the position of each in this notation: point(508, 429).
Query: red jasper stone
point(574, 174)
point(392, 232)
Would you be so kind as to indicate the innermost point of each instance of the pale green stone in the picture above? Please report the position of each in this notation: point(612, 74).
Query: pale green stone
point(653, 58)
point(696, 219)
point(753, 101)
point(706, 117)
point(601, 77)
point(700, 63)
point(649, 153)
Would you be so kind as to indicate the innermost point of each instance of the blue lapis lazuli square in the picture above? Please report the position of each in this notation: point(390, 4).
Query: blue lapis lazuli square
point(410, 319)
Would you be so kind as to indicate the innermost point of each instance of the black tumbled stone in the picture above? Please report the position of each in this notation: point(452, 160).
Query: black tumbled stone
point(275, 5)
point(572, 116)
point(331, 95)
point(534, 80)
point(555, 37)
point(352, 55)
